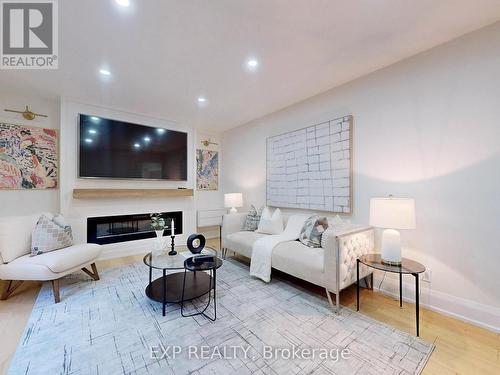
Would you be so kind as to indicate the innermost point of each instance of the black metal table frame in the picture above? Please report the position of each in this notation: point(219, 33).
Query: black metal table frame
point(417, 293)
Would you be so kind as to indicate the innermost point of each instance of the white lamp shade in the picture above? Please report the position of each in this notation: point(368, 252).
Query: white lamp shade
point(392, 213)
point(233, 200)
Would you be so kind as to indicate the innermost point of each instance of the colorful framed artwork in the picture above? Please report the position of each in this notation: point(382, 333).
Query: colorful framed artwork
point(207, 170)
point(28, 157)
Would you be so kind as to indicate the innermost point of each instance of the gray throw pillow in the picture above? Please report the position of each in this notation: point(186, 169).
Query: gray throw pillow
point(50, 234)
point(252, 220)
point(311, 232)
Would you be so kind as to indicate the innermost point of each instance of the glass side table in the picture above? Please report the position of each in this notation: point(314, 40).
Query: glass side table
point(407, 267)
point(168, 288)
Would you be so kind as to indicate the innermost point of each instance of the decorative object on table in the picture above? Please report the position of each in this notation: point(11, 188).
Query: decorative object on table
point(158, 224)
point(172, 236)
point(270, 223)
point(28, 114)
point(196, 243)
point(207, 170)
point(319, 158)
point(28, 157)
point(406, 267)
point(313, 229)
point(232, 201)
point(252, 220)
point(50, 234)
point(392, 214)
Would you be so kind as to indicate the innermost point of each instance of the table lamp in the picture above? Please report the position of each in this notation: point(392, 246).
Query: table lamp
point(392, 214)
point(233, 200)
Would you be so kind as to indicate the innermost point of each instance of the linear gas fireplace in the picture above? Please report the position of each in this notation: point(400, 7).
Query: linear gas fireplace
point(111, 229)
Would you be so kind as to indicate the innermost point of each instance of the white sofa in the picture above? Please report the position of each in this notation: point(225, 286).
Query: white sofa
point(16, 264)
point(332, 266)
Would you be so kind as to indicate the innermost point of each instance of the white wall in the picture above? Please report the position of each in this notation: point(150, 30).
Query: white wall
point(78, 210)
point(21, 202)
point(426, 128)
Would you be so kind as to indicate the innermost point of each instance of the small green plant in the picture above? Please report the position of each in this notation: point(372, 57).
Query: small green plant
point(157, 222)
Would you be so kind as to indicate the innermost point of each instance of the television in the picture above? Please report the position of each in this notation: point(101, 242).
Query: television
point(117, 149)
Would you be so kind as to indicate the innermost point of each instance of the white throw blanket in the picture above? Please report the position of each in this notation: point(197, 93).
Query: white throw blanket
point(262, 250)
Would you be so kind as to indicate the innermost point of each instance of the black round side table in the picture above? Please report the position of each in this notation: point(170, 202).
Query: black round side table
point(407, 267)
point(169, 287)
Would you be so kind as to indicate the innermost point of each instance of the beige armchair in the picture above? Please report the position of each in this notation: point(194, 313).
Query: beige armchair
point(17, 265)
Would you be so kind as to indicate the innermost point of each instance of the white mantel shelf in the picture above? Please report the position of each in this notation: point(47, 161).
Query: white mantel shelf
point(130, 193)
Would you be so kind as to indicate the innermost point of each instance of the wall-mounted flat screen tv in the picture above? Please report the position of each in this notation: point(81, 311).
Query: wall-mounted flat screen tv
point(117, 149)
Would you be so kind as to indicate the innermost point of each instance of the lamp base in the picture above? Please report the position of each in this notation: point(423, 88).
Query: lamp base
point(391, 247)
point(233, 210)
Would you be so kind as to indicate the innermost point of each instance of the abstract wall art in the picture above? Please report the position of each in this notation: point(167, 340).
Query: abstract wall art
point(310, 168)
point(28, 157)
point(207, 170)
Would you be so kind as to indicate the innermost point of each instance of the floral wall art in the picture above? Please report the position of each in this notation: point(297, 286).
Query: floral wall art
point(207, 170)
point(28, 157)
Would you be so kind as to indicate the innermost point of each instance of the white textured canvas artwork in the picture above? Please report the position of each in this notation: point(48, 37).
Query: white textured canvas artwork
point(311, 168)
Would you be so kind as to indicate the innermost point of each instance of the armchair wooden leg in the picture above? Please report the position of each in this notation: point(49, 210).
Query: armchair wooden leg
point(93, 274)
point(55, 288)
point(329, 298)
point(8, 288)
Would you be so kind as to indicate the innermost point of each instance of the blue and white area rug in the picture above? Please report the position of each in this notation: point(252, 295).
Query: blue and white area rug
point(110, 327)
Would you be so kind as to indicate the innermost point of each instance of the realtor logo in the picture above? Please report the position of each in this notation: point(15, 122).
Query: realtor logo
point(29, 34)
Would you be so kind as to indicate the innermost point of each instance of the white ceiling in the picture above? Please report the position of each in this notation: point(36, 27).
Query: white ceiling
point(164, 54)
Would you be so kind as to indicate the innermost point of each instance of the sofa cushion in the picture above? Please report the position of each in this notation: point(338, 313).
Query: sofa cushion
point(270, 223)
point(252, 220)
point(50, 234)
point(15, 235)
point(300, 261)
point(311, 232)
point(65, 259)
point(242, 242)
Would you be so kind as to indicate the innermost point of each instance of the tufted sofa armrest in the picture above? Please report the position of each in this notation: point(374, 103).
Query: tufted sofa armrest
point(341, 249)
point(232, 223)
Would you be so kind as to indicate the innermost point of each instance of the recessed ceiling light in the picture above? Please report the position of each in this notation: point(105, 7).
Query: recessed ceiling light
point(137, 145)
point(160, 130)
point(252, 64)
point(202, 99)
point(104, 72)
point(146, 139)
point(88, 140)
point(123, 3)
point(92, 131)
point(95, 118)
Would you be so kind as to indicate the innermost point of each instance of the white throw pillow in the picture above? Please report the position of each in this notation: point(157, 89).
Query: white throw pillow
point(270, 223)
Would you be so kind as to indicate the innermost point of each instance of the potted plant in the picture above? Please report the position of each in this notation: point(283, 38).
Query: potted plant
point(158, 224)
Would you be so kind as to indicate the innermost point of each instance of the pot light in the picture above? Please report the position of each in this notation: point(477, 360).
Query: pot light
point(88, 140)
point(252, 64)
point(160, 131)
point(201, 99)
point(137, 145)
point(95, 118)
point(147, 139)
point(92, 131)
point(123, 3)
point(104, 72)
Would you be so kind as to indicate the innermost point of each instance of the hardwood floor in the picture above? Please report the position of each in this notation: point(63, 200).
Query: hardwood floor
point(461, 348)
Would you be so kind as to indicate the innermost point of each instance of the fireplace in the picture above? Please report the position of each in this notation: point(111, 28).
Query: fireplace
point(111, 229)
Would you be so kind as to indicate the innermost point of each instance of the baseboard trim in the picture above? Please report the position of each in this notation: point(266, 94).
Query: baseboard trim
point(472, 312)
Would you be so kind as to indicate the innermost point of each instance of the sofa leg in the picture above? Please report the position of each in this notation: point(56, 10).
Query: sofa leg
point(329, 298)
point(93, 274)
point(8, 288)
point(55, 288)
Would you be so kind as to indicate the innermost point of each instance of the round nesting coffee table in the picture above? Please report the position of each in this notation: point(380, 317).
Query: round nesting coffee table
point(407, 267)
point(168, 287)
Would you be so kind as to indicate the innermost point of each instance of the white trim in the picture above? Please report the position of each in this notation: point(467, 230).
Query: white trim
point(469, 311)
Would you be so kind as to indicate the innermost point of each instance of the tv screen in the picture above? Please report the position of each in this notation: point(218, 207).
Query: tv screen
point(116, 149)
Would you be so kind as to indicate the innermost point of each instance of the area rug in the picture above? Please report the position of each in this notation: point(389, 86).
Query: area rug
point(111, 327)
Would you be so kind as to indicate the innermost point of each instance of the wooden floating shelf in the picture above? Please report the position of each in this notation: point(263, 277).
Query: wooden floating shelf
point(130, 193)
